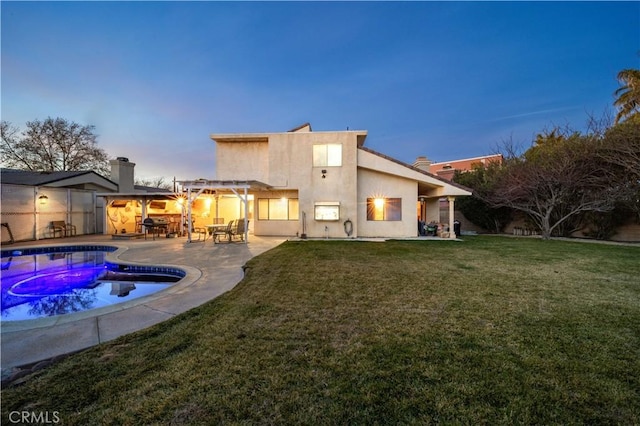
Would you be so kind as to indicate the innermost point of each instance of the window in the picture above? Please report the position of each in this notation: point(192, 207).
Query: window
point(329, 155)
point(384, 208)
point(278, 209)
point(328, 210)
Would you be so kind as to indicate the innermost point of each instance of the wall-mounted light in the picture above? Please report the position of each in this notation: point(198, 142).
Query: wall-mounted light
point(43, 199)
point(324, 173)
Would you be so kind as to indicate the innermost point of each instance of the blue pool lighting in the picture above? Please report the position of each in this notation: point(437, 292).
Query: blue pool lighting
point(43, 282)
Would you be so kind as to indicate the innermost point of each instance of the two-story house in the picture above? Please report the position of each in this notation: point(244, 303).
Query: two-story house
point(324, 185)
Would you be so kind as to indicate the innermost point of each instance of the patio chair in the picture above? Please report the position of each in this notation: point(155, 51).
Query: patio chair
point(238, 230)
point(224, 231)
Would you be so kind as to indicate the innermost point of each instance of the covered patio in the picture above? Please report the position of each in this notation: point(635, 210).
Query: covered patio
point(431, 199)
point(193, 189)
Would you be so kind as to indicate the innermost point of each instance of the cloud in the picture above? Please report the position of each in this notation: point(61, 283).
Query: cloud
point(532, 113)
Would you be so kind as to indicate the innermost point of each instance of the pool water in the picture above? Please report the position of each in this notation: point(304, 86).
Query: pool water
point(38, 284)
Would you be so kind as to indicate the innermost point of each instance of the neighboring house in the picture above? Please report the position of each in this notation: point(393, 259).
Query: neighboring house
point(324, 185)
point(447, 169)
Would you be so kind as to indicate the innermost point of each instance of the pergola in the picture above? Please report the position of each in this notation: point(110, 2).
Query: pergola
point(238, 187)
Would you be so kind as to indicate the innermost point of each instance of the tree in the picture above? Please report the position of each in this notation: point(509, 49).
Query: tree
point(628, 96)
point(481, 178)
point(52, 145)
point(620, 148)
point(556, 179)
point(157, 182)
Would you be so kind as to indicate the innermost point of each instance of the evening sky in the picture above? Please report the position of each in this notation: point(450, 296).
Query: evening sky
point(446, 80)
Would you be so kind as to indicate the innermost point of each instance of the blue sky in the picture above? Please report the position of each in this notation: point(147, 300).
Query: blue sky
point(447, 80)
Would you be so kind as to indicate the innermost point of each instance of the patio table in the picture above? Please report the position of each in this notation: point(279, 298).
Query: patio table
point(211, 229)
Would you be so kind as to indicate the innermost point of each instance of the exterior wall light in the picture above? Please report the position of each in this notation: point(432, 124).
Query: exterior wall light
point(324, 173)
point(43, 199)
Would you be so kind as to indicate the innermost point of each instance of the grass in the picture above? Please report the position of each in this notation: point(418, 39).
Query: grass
point(489, 331)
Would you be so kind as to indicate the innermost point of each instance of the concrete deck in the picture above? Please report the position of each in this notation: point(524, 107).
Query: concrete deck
point(212, 269)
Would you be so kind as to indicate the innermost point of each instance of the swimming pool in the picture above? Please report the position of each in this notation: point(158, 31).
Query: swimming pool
point(50, 281)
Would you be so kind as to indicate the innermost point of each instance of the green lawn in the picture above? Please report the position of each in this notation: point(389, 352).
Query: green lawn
point(491, 330)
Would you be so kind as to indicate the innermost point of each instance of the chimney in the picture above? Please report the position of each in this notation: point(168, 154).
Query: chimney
point(422, 163)
point(122, 174)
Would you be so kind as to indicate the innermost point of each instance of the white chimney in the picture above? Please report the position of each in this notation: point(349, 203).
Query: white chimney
point(422, 163)
point(122, 174)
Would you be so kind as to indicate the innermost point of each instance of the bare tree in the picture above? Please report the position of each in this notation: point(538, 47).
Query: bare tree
point(158, 182)
point(52, 145)
point(555, 180)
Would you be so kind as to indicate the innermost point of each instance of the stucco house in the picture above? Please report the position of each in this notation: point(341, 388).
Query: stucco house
point(323, 185)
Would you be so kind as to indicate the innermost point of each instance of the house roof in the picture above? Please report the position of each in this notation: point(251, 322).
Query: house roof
point(424, 172)
point(305, 126)
point(27, 177)
point(264, 137)
point(151, 189)
point(464, 164)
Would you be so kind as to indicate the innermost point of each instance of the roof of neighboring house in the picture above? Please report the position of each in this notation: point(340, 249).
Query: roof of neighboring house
point(26, 177)
point(465, 164)
point(151, 189)
point(31, 178)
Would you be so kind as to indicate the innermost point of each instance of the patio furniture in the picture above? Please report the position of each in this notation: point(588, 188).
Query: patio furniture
point(223, 231)
point(11, 240)
point(238, 230)
point(219, 228)
point(432, 229)
point(200, 232)
point(64, 229)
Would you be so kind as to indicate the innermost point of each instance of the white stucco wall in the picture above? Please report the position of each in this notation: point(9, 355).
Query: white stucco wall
point(242, 161)
point(285, 162)
point(291, 166)
point(373, 184)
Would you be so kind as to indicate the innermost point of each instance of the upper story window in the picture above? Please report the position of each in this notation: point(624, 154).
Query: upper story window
point(328, 155)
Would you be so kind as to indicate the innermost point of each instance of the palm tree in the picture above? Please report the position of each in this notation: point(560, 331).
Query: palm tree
point(628, 96)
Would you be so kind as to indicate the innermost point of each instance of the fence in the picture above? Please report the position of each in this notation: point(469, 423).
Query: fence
point(28, 211)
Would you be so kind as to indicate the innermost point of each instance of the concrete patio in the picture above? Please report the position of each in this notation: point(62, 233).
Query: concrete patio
point(212, 269)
